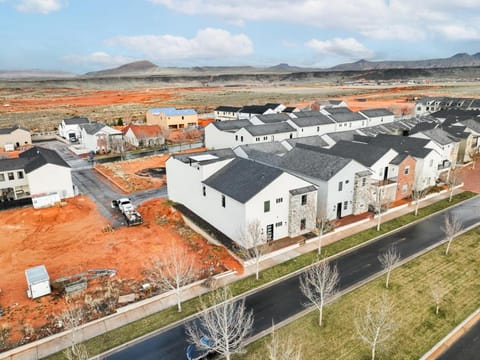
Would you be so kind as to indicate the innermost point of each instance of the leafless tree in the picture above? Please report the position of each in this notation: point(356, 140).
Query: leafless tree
point(389, 259)
point(254, 242)
point(283, 348)
point(376, 325)
point(438, 292)
point(226, 325)
point(70, 320)
point(474, 155)
point(319, 283)
point(172, 271)
point(453, 179)
point(452, 225)
point(418, 192)
point(380, 199)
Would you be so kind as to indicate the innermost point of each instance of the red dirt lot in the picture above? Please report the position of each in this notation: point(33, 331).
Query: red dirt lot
point(74, 238)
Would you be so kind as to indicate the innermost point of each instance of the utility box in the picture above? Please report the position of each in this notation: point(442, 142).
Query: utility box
point(38, 282)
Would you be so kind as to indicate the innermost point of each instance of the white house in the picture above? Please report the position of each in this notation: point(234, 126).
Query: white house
point(312, 125)
point(378, 116)
point(224, 113)
point(446, 145)
point(269, 118)
point(221, 134)
point(248, 111)
point(72, 126)
point(100, 138)
point(346, 119)
point(231, 193)
point(264, 133)
point(36, 172)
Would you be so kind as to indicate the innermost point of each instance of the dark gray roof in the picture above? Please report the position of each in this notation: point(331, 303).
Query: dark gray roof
point(458, 115)
point(473, 124)
point(37, 157)
point(402, 144)
point(348, 116)
point(457, 131)
point(76, 120)
point(338, 110)
point(422, 126)
point(256, 109)
point(342, 135)
point(272, 118)
point(365, 154)
point(231, 125)
point(312, 162)
point(242, 179)
point(376, 112)
point(289, 109)
point(12, 164)
point(271, 147)
point(306, 113)
point(397, 160)
point(228, 108)
point(303, 190)
point(9, 130)
point(267, 129)
point(93, 127)
point(318, 119)
point(440, 136)
point(220, 154)
point(308, 140)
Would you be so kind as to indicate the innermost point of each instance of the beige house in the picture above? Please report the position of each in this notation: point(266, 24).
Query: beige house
point(14, 137)
point(172, 118)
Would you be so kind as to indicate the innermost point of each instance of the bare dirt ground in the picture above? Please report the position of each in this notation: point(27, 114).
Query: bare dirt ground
point(74, 238)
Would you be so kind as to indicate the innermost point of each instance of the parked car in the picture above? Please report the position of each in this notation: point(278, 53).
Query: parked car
point(194, 352)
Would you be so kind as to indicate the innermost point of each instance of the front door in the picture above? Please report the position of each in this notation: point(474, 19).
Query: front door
point(270, 232)
point(339, 210)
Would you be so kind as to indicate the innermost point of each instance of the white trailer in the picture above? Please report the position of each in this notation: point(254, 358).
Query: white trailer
point(38, 282)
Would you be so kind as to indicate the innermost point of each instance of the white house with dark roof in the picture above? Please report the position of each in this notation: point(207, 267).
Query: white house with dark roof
point(225, 113)
point(317, 124)
point(269, 118)
point(447, 144)
point(221, 134)
point(248, 111)
point(100, 138)
point(38, 173)
point(348, 120)
point(378, 116)
point(14, 137)
point(264, 133)
point(72, 126)
point(230, 193)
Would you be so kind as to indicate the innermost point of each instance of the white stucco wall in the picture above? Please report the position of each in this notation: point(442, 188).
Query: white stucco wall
point(217, 139)
point(51, 178)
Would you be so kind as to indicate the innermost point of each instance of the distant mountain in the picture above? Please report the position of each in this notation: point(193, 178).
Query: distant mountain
point(37, 74)
point(133, 68)
point(283, 67)
point(458, 60)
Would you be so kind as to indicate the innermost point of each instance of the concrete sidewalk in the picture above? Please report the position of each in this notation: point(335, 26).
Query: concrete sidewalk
point(138, 310)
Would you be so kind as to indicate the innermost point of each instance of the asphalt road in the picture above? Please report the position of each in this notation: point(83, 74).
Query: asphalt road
point(466, 348)
point(284, 299)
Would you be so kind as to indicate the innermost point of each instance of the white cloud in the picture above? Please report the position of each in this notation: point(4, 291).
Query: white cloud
point(206, 44)
point(459, 32)
point(39, 6)
point(98, 58)
point(378, 19)
point(347, 48)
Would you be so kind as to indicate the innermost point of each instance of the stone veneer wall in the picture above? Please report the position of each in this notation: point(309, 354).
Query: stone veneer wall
point(297, 211)
point(361, 194)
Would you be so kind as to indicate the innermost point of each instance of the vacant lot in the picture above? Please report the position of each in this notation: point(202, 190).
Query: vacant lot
point(74, 238)
point(414, 311)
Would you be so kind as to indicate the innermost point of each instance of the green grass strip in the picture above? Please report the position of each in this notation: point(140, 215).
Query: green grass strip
point(165, 317)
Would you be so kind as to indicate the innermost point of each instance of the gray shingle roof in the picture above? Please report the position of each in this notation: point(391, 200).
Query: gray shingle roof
point(255, 109)
point(272, 147)
point(12, 164)
point(306, 113)
point(303, 190)
point(365, 154)
point(228, 108)
point(397, 160)
point(342, 135)
point(440, 136)
point(242, 179)
point(312, 162)
point(37, 157)
point(273, 118)
point(376, 112)
point(9, 130)
point(308, 140)
point(472, 124)
point(347, 117)
point(338, 110)
point(318, 119)
point(231, 125)
point(93, 128)
point(76, 120)
point(402, 144)
point(267, 129)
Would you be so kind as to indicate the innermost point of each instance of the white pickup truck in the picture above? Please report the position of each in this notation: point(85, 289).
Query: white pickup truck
point(132, 216)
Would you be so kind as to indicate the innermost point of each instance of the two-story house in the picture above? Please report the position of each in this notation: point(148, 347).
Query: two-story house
point(100, 138)
point(225, 113)
point(172, 118)
point(71, 127)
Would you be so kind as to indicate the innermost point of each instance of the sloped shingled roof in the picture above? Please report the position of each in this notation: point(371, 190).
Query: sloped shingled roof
point(37, 157)
point(267, 129)
point(242, 179)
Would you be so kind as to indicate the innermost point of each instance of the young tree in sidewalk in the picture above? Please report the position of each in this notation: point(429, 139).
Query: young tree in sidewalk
point(389, 259)
point(283, 347)
point(380, 199)
point(454, 178)
point(452, 225)
point(70, 320)
point(254, 242)
point(375, 325)
point(225, 325)
point(172, 271)
point(319, 283)
point(418, 192)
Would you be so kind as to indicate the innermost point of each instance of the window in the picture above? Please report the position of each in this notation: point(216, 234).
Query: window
point(223, 200)
point(2, 177)
point(265, 138)
point(257, 139)
point(404, 188)
point(318, 128)
point(364, 181)
point(431, 162)
point(204, 190)
point(20, 174)
point(407, 170)
point(345, 205)
point(340, 186)
point(347, 181)
point(304, 199)
point(279, 200)
point(10, 176)
point(303, 224)
point(266, 206)
point(236, 137)
point(241, 138)
point(278, 224)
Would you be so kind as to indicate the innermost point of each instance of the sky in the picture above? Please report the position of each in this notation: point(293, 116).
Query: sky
point(87, 35)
